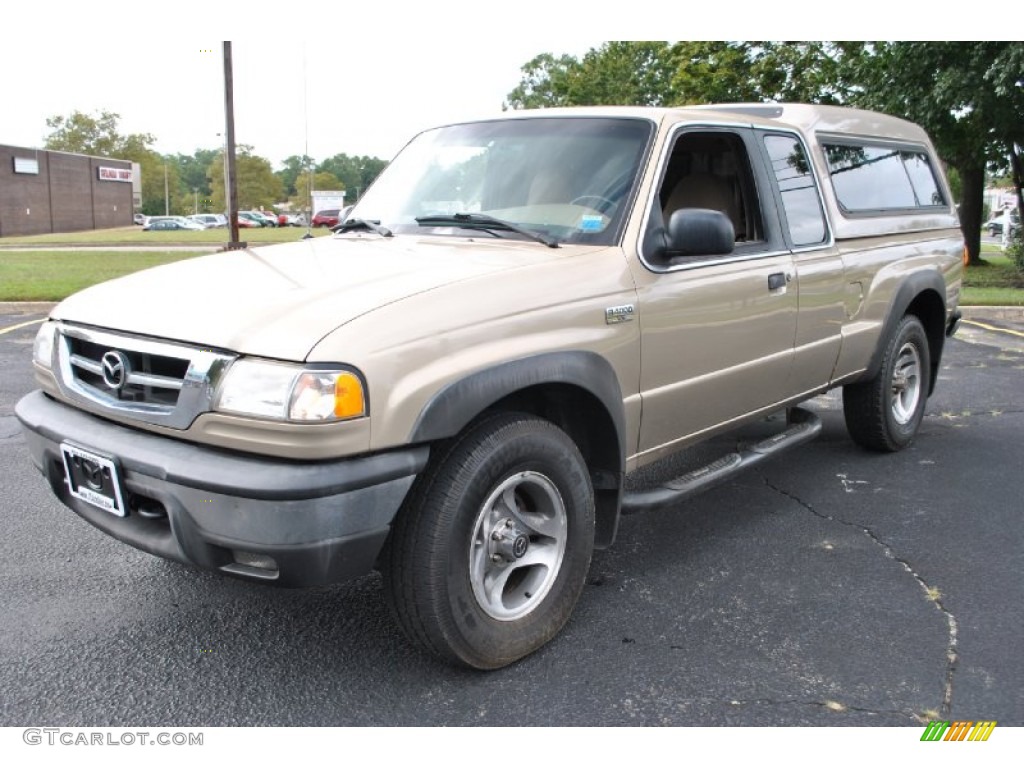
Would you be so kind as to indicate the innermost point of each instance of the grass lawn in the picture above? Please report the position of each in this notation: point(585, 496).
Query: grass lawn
point(53, 275)
point(135, 236)
point(994, 283)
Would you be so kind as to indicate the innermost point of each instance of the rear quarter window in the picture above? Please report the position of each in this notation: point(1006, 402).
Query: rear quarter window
point(874, 178)
point(800, 201)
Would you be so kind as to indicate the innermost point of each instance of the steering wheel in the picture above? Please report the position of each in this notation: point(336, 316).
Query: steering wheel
point(604, 204)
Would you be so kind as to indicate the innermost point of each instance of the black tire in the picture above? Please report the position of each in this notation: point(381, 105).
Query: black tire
point(440, 558)
point(884, 413)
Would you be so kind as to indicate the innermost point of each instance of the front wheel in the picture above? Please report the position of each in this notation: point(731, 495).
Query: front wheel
point(489, 554)
point(884, 413)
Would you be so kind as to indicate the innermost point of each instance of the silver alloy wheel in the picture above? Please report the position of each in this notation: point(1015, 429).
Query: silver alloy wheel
point(518, 545)
point(906, 383)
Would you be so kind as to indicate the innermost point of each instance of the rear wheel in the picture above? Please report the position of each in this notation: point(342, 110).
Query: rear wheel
point(490, 552)
point(884, 413)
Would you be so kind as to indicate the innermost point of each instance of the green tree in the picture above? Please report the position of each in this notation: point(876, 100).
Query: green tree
point(294, 166)
point(545, 83)
point(154, 203)
point(99, 135)
point(322, 180)
point(94, 135)
point(713, 72)
point(258, 187)
point(355, 173)
point(1006, 75)
point(192, 172)
point(689, 72)
point(965, 95)
point(816, 72)
point(618, 72)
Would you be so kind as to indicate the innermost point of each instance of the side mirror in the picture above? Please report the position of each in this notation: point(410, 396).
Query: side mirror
point(699, 232)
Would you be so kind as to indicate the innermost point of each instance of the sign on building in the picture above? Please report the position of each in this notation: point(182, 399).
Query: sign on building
point(114, 174)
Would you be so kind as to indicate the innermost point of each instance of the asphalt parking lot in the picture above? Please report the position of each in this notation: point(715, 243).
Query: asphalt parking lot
point(829, 587)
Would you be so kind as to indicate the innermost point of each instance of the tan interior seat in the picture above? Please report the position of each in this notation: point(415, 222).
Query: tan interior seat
point(548, 187)
point(703, 190)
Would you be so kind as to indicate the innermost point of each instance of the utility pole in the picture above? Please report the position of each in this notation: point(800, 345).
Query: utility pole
point(231, 191)
point(167, 197)
point(224, 164)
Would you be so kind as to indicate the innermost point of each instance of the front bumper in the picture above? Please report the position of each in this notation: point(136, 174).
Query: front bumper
point(291, 523)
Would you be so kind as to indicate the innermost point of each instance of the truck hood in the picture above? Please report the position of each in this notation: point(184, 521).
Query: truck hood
point(279, 301)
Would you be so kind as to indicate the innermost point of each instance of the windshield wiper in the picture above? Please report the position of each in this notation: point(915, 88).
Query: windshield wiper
point(482, 221)
point(374, 226)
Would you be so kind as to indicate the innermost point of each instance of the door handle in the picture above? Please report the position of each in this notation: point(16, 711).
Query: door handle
point(777, 280)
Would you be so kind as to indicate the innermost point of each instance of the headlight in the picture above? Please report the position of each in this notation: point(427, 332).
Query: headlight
point(290, 392)
point(42, 348)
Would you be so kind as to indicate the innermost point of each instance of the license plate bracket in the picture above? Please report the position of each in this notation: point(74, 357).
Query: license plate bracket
point(93, 478)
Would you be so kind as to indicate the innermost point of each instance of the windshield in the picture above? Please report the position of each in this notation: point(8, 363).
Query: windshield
point(565, 178)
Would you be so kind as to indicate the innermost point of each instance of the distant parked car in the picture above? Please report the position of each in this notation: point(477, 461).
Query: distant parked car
point(326, 218)
point(140, 219)
point(209, 220)
point(271, 218)
point(255, 219)
point(995, 224)
point(244, 222)
point(156, 224)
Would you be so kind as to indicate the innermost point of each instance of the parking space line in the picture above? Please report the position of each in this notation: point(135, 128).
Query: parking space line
point(10, 328)
point(988, 327)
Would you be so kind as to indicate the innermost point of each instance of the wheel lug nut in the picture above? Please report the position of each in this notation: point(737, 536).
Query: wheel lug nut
point(496, 558)
point(496, 536)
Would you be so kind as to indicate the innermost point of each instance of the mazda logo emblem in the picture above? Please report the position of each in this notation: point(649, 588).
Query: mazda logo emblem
point(93, 474)
point(520, 545)
point(115, 369)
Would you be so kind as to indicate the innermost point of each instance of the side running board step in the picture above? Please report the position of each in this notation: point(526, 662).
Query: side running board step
point(802, 427)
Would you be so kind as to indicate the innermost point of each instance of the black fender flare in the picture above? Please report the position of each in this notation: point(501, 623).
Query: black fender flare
point(449, 411)
point(913, 286)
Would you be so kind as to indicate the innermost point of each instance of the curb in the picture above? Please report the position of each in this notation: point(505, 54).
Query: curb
point(141, 247)
point(27, 306)
point(1014, 314)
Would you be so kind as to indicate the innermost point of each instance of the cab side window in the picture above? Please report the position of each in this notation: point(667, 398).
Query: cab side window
point(712, 170)
point(707, 170)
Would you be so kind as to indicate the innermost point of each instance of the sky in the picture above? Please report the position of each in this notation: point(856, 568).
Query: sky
point(348, 82)
point(358, 78)
point(354, 98)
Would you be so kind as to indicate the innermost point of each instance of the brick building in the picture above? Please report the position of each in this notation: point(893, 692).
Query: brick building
point(43, 191)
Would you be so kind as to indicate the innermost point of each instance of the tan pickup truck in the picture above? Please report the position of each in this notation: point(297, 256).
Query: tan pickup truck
point(519, 313)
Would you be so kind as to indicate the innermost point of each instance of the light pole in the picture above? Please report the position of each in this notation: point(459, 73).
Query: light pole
point(167, 197)
point(195, 195)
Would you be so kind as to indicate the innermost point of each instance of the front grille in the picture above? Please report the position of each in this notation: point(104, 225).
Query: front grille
point(137, 378)
point(148, 378)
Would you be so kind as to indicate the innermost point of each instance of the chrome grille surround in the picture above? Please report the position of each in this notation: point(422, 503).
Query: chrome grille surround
point(174, 397)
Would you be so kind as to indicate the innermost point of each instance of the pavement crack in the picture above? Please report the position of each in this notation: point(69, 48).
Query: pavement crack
point(832, 706)
point(931, 593)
